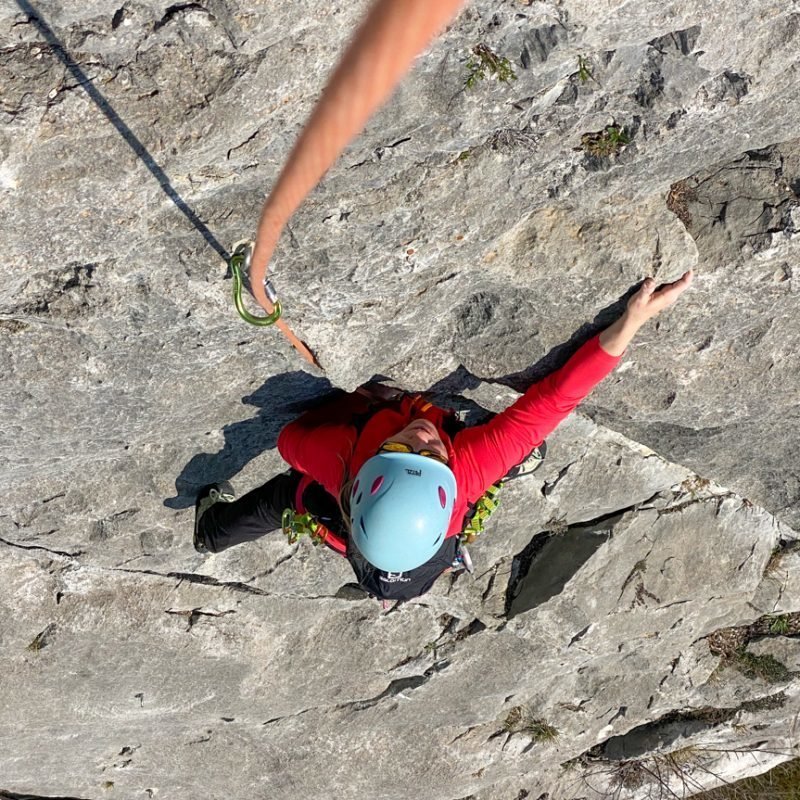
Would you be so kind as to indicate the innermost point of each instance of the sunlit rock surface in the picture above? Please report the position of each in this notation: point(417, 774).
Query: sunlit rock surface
point(466, 242)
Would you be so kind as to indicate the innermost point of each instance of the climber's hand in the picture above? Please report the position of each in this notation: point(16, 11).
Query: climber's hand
point(644, 305)
point(649, 301)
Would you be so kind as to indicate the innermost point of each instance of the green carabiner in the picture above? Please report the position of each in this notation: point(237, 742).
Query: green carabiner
point(241, 260)
point(295, 525)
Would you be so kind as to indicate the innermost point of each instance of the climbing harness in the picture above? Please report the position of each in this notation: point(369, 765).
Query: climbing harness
point(239, 262)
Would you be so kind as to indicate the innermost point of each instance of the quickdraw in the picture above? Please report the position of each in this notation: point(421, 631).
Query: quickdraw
point(239, 263)
point(295, 526)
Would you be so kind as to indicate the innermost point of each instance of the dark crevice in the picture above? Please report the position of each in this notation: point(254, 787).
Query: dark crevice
point(178, 9)
point(275, 566)
point(397, 686)
point(379, 151)
point(394, 688)
point(62, 553)
point(579, 635)
point(242, 144)
point(7, 795)
point(235, 586)
point(682, 41)
point(193, 614)
point(663, 732)
point(542, 569)
point(205, 580)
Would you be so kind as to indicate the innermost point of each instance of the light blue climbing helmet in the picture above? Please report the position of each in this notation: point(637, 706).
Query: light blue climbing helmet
point(400, 508)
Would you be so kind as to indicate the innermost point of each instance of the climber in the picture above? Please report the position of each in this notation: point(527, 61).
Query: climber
point(392, 484)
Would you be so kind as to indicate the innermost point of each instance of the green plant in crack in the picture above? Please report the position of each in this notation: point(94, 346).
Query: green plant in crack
point(521, 720)
point(584, 71)
point(779, 625)
point(484, 61)
point(695, 486)
point(765, 667)
point(605, 143)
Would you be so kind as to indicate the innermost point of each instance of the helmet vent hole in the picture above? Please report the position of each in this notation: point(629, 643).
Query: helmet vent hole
point(358, 499)
point(442, 496)
point(363, 529)
point(376, 484)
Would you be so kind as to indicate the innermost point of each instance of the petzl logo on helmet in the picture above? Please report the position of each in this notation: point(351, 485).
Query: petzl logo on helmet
point(417, 472)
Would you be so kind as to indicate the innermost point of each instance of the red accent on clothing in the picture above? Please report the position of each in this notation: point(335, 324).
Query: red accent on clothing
point(325, 445)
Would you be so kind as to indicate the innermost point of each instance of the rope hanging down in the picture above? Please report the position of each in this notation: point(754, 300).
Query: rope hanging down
point(393, 33)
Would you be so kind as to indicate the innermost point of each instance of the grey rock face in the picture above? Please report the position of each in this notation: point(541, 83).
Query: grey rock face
point(466, 242)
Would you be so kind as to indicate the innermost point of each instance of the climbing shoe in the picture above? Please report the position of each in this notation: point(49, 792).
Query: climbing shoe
point(213, 493)
point(528, 465)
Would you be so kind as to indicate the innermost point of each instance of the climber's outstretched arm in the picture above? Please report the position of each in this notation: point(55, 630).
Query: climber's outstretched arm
point(392, 34)
point(644, 305)
point(484, 453)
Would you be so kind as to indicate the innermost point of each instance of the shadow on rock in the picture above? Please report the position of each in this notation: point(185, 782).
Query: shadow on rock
point(284, 397)
point(551, 559)
point(35, 18)
point(280, 400)
point(560, 354)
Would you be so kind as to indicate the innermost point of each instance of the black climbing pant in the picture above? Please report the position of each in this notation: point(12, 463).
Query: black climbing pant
point(259, 512)
point(251, 516)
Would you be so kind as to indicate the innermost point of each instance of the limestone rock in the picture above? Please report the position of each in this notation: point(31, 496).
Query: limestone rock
point(465, 243)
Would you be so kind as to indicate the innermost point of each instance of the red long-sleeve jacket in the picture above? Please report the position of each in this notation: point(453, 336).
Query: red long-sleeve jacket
point(328, 448)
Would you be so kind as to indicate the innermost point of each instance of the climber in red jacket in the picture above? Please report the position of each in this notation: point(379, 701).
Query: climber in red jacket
point(391, 485)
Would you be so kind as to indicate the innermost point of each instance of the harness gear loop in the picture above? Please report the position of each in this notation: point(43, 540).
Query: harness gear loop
point(240, 262)
point(296, 525)
point(485, 506)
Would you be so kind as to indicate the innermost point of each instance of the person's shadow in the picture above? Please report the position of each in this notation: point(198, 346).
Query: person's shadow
point(284, 397)
point(450, 387)
point(280, 399)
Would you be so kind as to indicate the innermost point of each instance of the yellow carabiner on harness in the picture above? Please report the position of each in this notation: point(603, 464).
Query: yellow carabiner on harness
point(240, 262)
point(295, 525)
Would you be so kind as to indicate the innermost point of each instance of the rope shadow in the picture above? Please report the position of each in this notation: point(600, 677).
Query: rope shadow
point(280, 399)
point(83, 80)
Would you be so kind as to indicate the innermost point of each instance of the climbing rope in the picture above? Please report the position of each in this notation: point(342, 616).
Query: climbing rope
point(392, 34)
